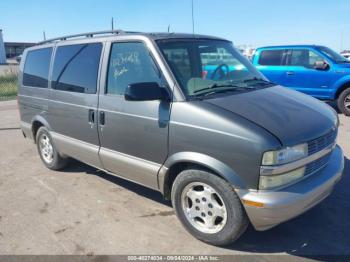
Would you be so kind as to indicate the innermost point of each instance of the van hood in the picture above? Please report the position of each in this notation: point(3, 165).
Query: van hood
point(289, 115)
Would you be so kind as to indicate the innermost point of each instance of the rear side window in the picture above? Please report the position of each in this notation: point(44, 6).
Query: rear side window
point(36, 68)
point(76, 68)
point(271, 57)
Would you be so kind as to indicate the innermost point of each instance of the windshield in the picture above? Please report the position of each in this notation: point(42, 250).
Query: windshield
point(333, 55)
point(204, 67)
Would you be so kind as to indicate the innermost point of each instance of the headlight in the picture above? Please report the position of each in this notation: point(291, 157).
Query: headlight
point(337, 122)
point(269, 182)
point(336, 117)
point(285, 155)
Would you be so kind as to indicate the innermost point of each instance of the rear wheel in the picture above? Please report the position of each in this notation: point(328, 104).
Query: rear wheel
point(344, 102)
point(48, 152)
point(208, 207)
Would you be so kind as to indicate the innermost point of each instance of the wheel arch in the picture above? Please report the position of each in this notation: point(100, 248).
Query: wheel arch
point(178, 162)
point(340, 85)
point(341, 89)
point(37, 122)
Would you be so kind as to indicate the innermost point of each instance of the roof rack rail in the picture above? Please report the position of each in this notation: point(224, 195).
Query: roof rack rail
point(87, 35)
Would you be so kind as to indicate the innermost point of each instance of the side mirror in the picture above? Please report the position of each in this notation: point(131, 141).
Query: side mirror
point(321, 65)
point(146, 91)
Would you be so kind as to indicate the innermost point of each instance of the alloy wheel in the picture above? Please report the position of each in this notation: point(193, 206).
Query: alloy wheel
point(203, 207)
point(46, 149)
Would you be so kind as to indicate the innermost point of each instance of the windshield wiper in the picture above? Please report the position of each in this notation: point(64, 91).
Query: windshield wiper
point(216, 85)
point(214, 90)
point(257, 79)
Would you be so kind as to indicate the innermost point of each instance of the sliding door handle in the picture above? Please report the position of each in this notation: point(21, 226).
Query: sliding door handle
point(102, 118)
point(91, 116)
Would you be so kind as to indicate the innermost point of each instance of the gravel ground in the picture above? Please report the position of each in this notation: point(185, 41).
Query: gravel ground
point(85, 211)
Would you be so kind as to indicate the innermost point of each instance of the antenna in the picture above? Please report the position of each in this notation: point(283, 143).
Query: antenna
point(192, 18)
point(193, 40)
point(168, 28)
point(44, 35)
point(341, 40)
point(112, 24)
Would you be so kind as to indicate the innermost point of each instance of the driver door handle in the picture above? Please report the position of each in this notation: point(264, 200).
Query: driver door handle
point(289, 73)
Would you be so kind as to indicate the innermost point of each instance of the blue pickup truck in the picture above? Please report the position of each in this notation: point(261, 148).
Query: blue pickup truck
point(314, 70)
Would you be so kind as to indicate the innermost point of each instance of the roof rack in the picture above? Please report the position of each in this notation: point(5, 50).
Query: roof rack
point(87, 35)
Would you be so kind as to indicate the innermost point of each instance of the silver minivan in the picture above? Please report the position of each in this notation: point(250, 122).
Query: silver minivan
point(186, 115)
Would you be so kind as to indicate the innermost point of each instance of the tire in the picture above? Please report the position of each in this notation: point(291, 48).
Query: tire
point(343, 102)
point(198, 183)
point(49, 154)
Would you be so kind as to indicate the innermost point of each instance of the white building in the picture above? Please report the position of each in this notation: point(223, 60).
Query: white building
point(246, 50)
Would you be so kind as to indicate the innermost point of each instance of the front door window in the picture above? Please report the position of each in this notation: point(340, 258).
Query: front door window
point(130, 63)
point(304, 57)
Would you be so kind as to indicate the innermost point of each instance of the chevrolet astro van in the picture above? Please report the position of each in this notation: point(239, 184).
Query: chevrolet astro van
point(228, 147)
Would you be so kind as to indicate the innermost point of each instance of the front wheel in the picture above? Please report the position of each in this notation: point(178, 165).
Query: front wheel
point(208, 207)
point(344, 102)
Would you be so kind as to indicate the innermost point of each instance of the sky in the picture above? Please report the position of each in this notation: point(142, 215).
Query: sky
point(249, 22)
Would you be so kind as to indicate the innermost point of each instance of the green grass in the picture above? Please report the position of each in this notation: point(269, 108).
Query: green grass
point(8, 87)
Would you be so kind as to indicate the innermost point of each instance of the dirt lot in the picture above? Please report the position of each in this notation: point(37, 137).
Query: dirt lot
point(85, 211)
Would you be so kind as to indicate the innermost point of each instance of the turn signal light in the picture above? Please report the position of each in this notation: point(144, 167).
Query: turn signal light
point(253, 203)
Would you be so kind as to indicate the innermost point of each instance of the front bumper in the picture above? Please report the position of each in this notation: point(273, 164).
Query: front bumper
point(284, 204)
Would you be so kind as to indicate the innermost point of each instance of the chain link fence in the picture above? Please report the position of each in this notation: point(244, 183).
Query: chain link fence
point(8, 87)
point(8, 82)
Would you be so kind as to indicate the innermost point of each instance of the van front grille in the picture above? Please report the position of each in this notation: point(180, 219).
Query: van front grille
point(317, 164)
point(322, 142)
